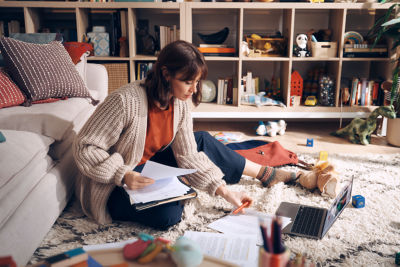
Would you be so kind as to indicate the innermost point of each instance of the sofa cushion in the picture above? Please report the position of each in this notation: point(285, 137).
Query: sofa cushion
point(23, 163)
point(10, 95)
point(54, 120)
point(42, 70)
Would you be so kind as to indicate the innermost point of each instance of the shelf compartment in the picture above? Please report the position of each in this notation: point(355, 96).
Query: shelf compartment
point(214, 111)
point(209, 21)
point(12, 19)
point(267, 23)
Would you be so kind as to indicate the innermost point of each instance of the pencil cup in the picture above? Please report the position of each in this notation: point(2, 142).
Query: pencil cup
point(266, 259)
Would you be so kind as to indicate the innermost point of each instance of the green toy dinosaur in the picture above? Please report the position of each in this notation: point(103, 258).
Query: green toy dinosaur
point(360, 130)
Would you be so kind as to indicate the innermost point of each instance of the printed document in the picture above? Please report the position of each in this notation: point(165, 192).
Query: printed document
point(248, 223)
point(167, 184)
point(238, 249)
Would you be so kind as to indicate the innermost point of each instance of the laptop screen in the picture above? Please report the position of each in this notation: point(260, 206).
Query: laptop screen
point(341, 201)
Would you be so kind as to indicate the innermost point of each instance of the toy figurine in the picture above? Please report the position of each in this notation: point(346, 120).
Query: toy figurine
point(359, 130)
point(272, 128)
point(301, 49)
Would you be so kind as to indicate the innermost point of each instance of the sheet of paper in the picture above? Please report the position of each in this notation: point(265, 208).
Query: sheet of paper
point(166, 183)
point(238, 249)
point(161, 189)
point(247, 223)
point(120, 244)
point(158, 171)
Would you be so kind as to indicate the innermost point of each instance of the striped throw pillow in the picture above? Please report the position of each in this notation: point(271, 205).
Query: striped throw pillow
point(10, 95)
point(42, 71)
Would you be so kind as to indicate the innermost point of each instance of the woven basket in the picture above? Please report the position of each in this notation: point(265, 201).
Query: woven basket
point(117, 75)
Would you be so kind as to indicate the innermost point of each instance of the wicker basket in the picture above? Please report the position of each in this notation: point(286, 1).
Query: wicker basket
point(117, 75)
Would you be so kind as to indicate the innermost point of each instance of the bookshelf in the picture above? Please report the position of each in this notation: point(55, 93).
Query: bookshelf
point(243, 19)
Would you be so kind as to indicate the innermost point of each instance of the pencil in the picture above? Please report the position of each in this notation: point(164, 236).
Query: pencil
point(264, 235)
point(244, 205)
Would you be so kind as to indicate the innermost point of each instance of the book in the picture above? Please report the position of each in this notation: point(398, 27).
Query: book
point(219, 50)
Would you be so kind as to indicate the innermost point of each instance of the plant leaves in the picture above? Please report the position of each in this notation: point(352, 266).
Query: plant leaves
point(391, 22)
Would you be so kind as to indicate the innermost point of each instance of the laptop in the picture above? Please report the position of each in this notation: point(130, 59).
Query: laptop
point(314, 222)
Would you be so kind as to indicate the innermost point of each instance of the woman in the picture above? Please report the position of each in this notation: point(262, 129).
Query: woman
point(151, 120)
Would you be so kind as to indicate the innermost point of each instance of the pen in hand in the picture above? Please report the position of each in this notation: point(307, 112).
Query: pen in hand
point(244, 205)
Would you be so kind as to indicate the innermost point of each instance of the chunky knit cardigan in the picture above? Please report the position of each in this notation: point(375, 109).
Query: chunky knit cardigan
point(112, 143)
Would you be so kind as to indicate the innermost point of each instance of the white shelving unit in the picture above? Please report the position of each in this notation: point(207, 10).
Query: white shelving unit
point(242, 18)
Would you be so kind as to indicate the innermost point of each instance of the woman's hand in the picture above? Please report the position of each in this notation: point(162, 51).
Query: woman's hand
point(134, 180)
point(233, 197)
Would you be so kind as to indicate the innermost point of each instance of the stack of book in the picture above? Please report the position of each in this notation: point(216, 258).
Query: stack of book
point(365, 50)
point(166, 35)
point(225, 91)
point(364, 92)
point(219, 50)
point(142, 68)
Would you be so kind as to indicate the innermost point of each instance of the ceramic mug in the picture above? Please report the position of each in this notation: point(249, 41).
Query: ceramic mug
point(266, 259)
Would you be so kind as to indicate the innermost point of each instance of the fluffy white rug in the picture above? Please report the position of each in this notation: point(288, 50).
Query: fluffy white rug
point(360, 237)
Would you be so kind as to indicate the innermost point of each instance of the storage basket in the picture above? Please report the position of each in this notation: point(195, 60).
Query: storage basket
point(267, 47)
point(117, 75)
point(324, 49)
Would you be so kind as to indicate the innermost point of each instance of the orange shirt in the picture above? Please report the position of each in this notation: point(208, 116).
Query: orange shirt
point(159, 131)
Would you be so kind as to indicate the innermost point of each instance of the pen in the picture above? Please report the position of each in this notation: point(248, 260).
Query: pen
point(244, 205)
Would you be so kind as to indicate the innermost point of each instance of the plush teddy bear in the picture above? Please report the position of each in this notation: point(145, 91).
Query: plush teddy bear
point(322, 176)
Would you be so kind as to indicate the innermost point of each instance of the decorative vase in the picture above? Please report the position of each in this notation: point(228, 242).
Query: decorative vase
point(393, 130)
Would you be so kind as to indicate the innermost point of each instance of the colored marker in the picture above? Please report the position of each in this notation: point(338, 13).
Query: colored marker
point(244, 205)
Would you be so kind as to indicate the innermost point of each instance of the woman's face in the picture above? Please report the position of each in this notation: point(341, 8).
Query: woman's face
point(184, 90)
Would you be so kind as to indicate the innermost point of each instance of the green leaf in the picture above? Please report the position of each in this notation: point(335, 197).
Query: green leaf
point(391, 22)
point(393, 91)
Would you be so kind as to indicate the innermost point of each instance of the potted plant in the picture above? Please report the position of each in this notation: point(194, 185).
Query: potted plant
point(389, 26)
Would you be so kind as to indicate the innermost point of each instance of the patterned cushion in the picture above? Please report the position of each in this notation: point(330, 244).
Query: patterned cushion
point(42, 71)
point(10, 95)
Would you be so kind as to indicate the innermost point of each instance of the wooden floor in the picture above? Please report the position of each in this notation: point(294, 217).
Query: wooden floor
point(296, 136)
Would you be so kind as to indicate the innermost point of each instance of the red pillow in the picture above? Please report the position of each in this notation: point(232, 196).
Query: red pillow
point(10, 94)
point(77, 49)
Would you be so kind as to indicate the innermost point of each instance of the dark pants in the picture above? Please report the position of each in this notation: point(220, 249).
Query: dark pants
point(163, 216)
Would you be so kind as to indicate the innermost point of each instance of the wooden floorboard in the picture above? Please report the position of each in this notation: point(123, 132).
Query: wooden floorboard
point(296, 135)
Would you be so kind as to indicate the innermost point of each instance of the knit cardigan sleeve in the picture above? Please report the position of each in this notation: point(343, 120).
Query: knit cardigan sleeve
point(208, 176)
point(92, 146)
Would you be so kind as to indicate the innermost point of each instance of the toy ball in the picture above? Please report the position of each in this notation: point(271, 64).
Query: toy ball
point(358, 201)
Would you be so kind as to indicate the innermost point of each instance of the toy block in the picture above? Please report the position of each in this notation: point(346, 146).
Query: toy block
point(397, 260)
point(358, 201)
point(134, 250)
point(310, 142)
point(323, 156)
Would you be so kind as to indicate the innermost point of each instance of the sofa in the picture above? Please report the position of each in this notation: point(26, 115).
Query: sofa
point(37, 170)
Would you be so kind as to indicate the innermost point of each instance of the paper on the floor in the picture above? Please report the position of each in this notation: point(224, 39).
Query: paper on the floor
point(247, 223)
point(238, 249)
point(166, 183)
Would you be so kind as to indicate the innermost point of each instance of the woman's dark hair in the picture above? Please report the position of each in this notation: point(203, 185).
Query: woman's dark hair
point(181, 58)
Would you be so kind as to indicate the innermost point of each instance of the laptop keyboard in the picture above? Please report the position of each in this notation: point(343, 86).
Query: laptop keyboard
point(307, 221)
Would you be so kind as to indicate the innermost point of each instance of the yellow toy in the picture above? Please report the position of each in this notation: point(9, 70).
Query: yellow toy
point(324, 177)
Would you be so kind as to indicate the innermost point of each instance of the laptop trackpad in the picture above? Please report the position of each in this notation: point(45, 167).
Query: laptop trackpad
point(290, 210)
